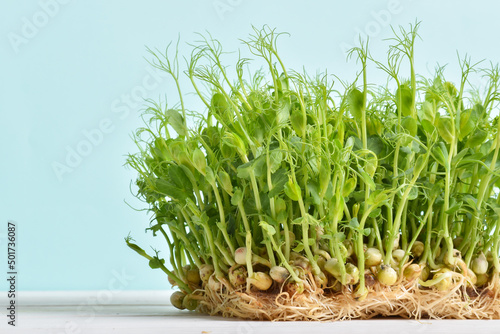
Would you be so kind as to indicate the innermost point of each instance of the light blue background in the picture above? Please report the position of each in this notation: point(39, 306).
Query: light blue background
point(74, 72)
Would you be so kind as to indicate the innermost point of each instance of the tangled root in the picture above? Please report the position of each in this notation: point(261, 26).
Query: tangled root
point(409, 301)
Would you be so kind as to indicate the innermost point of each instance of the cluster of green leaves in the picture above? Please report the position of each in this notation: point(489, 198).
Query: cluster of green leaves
point(284, 162)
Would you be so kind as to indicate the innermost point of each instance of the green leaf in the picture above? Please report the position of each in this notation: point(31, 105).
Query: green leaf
point(354, 223)
point(467, 124)
point(356, 103)
point(349, 186)
point(371, 164)
point(199, 161)
point(225, 181)
point(211, 135)
point(413, 194)
point(375, 213)
point(258, 166)
point(243, 171)
point(283, 83)
point(349, 143)
point(405, 149)
point(415, 146)
point(478, 112)
point(292, 190)
point(457, 158)
point(404, 100)
point(485, 148)
point(283, 111)
point(329, 191)
point(376, 145)
point(377, 198)
point(298, 122)
point(324, 174)
point(136, 248)
point(419, 165)
point(437, 189)
point(427, 113)
point(310, 220)
point(410, 124)
point(275, 159)
point(169, 189)
point(160, 149)
point(465, 175)
point(227, 151)
point(477, 138)
point(179, 178)
point(269, 229)
point(280, 206)
point(340, 236)
point(428, 126)
point(472, 159)
point(454, 206)
point(471, 201)
point(366, 178)
point(237, 196)
point(299, 248)
point(176, 121)
point(278, 180)
point(358, 196)
point(234, 141)
point(374, 125)
point(221, 226)
point(444, 127)
point(451, 90)
point(440, 153)
point(156, 263)
point(209, 175)
point(221, 108)
point(312, 187)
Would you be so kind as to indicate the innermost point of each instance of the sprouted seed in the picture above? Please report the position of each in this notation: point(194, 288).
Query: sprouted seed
point(373, 257)
point(387, 275)
point(279, 274)
point(480, 264)
point(177, 299)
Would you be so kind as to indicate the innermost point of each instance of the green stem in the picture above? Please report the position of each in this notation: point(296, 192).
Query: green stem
point(284, 261)
point(380, 245)
point(248, 256)
point(305, 236)
point(270, 254)
point(193, 253)
point(416, 235)
point(404, 232)
point(222, 216)
point(194, 230)
point(287, 239)
point(397, 220)
point(223, 251)
point(170, 274)
point(215, 258)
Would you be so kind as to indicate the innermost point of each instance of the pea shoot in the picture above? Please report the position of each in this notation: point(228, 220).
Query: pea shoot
point(296, 197)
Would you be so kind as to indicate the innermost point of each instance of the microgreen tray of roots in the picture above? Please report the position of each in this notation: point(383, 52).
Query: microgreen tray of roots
point(298, 197)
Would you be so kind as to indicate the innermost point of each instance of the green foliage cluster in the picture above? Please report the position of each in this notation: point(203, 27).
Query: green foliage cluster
point(285, 175)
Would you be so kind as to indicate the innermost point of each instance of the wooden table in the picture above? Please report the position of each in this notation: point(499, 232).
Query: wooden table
point(150, 312)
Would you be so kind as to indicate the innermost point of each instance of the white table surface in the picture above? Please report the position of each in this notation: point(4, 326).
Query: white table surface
point(150, 312)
